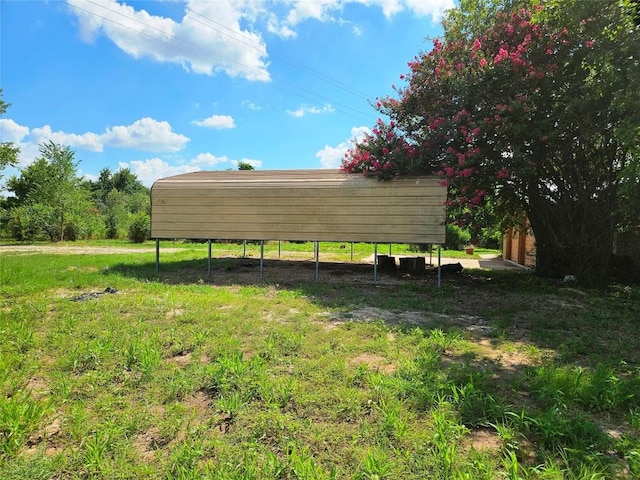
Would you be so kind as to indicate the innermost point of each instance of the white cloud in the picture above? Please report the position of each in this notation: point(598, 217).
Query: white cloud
point(10, 131)
point(330, 11)
point(250, 105)
point(207, 160)
point(209, 37)
point(150, 170)
point(317, 9)
point(146, 134)
point(331, 157)
point(216, 121)
point(88, 141)
point(222, 35)
point(434, 8)
point(302, 111)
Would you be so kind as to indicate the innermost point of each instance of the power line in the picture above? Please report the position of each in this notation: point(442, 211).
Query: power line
point(258, 46)
point(355, 113)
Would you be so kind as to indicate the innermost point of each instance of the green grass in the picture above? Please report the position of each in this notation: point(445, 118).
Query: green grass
point(178, 376)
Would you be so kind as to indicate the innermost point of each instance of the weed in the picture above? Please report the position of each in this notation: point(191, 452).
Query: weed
point(277, 394)
point(182, 463)
point(302, 465)
point(375, 466)
point(20, 415)
point(96, 450)
point(393, 424)
point(143, 356)
point(129, 402)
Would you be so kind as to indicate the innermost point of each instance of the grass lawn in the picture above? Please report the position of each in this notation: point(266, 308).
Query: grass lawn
point(496, 375)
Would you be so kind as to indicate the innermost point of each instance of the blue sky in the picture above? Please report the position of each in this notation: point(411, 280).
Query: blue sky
point(169, 87)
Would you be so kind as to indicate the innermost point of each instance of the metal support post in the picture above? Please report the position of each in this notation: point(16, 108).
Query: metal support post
point(261, 258)
point(439, 269)
point(317, 255)
point(157, 256)
point(375, 262)
point(209, 258)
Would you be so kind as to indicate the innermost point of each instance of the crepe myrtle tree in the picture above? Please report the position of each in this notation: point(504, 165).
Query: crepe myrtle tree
point(532, 105)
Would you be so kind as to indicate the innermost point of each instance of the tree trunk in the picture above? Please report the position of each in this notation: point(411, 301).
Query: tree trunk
point(574, 239)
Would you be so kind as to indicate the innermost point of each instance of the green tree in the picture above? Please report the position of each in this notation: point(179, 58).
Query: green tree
point(48, 192)
point(119, 196)
point(533, 104)
point(8, 152)
point(245, 166)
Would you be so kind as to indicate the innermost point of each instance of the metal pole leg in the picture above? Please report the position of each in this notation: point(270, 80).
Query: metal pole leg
point(261, 258)
point(375, 262)
point(317, 254)
point(209, 258)
point(157, 256)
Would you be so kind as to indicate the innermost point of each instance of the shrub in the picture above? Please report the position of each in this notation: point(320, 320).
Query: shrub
point(456, 238)
point(140, 228)
point(33, 222)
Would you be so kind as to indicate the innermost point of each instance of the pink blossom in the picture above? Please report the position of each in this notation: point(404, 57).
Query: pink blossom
point(503, 173)
point(502, 54)
point(435, 123)
point(483, 62)
point(477, 45)
point(589, 43)
point(385, 151)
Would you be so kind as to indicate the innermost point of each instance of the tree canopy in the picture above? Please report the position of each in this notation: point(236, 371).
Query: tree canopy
point(8, 152)
point(533, 105)
point(47, 193)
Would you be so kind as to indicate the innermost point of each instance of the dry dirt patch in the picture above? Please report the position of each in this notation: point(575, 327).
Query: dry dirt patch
point(76, 250)
point(375, 362)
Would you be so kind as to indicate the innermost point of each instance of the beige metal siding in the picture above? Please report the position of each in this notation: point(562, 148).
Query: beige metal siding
point(325, 205)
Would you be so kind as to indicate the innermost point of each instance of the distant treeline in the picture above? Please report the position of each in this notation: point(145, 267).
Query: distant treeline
point(49, 201)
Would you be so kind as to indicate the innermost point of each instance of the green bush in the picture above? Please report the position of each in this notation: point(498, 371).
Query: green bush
point(140, 228)
point(33, 222)
point(456, 238)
